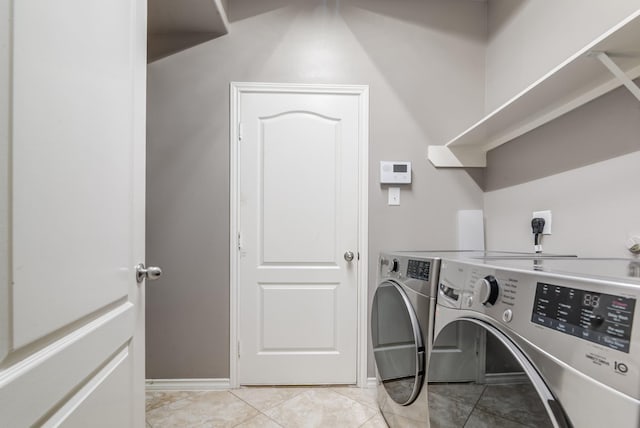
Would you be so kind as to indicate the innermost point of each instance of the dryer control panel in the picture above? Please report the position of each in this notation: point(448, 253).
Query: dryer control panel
point(418, 274)
point(418, 269)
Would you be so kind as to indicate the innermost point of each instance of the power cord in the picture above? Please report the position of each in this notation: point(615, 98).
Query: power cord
point(537, 226)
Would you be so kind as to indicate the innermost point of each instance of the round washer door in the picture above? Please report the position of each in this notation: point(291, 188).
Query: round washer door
point(508, 391)
point(398, 347)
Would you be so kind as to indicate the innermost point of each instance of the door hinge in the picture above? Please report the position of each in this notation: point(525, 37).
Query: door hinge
point(238, 349)
point(240, 131)
point(239, 241)
point(358, 255)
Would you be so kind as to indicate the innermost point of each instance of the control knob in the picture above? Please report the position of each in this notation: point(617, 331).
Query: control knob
point(596, 320)
point(488, 290)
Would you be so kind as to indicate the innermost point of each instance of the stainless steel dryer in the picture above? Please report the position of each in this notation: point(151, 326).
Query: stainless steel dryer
point(556, 344)
point(402, 329)
point(401, 326)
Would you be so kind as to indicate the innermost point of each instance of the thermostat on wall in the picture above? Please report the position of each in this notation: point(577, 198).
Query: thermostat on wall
point(392, 172)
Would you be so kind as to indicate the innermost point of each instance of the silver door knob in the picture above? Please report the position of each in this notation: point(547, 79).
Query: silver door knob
point(348, 256)
point(150, 273)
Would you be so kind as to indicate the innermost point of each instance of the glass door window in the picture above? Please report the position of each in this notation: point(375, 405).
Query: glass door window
point(397, 343)
point(507, 392)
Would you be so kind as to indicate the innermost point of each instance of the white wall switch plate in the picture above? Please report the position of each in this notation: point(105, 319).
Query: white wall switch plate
point(394, 196)
point(546, 215)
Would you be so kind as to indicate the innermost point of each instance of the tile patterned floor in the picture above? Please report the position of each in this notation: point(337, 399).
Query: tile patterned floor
point(269, 407)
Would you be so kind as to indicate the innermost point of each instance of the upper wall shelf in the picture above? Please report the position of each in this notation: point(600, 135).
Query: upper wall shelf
point(175, 25)
point(583, 77)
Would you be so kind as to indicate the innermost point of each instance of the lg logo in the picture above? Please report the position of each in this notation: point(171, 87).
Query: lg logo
point(620, 367)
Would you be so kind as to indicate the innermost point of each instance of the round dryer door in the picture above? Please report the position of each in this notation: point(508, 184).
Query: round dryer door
point(397, 343)
point(505, 390)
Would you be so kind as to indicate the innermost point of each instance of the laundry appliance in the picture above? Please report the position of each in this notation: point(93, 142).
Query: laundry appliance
point(539, 343)
point(402, 327)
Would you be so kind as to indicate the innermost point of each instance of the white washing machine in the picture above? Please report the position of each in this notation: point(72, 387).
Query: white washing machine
point(556, 343)
point(402, 328)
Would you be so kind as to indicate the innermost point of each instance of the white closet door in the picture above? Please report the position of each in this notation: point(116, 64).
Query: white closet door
point(298, 221)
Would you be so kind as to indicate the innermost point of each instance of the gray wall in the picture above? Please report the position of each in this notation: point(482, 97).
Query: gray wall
point(528, 38)
point(424, 62)
point(582, 166)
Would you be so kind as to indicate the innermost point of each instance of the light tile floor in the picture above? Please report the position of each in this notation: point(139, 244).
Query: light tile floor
point(268, 407)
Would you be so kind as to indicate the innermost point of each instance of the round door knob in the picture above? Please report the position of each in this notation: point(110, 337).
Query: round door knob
point(348, 256)
point(151, 273)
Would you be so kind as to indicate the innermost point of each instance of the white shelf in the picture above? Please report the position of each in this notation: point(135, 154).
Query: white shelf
point(578, 80)
point(175, 25)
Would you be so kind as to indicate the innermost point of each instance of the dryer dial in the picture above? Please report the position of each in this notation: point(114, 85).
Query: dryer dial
point(488, 290)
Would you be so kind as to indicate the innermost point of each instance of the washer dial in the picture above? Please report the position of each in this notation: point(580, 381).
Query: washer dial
point(488, 290)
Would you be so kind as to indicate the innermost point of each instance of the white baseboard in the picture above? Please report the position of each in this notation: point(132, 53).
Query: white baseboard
point(187, 384)
point(207, 384)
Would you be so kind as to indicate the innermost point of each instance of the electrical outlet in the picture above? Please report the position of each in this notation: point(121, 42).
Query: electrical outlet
point(546, 215)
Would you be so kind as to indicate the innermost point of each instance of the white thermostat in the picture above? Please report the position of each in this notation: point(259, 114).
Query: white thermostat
point(395, 172)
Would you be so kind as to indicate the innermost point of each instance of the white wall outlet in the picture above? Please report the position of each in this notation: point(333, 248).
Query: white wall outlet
point(546, 215)
point(394, 196)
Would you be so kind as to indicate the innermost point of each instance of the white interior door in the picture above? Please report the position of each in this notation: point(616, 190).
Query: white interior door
point(72, 204)
point(298, 223)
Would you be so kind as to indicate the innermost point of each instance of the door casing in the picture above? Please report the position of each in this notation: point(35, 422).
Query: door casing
point(362, 91)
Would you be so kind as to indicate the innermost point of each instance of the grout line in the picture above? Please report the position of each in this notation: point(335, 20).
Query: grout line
point(475, 404)
point(367, 421)
point(302, 390)
point(228, 391)
point(266, 416)
point(260, 412)
point(349, 398)
point(366, 406)
point(369, 405)
point(299, 391)
point(248, 404)
point(168, 403)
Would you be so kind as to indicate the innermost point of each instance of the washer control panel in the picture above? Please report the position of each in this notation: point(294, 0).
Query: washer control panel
point(586, 323)
point(601, 318)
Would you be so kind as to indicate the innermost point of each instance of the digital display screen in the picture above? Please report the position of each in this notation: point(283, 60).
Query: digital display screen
point(597, 317)
point(418, 269)
point(399, 167)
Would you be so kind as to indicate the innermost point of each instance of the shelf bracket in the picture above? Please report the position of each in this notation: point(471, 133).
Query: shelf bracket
point(617, 71)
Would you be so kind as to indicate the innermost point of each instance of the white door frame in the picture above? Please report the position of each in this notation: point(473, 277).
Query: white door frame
point(362, 91)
